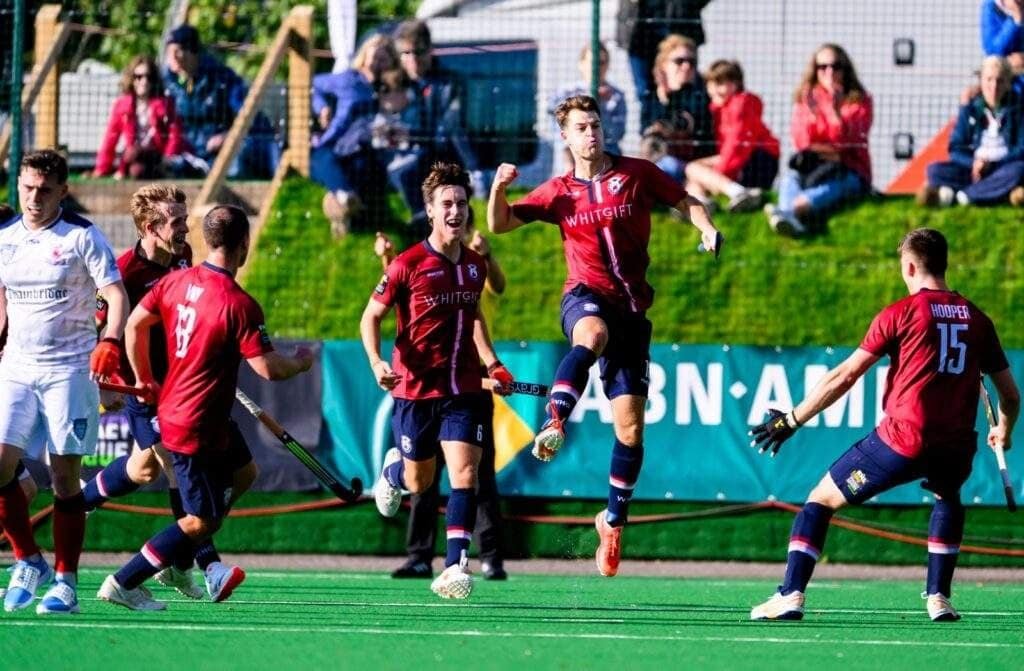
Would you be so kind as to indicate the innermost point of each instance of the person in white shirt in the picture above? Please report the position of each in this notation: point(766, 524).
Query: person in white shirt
point(52, 265)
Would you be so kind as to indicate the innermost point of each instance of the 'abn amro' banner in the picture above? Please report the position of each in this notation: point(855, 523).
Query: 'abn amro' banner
point(703, 400)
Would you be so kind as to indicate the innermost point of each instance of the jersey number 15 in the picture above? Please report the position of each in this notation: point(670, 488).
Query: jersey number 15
point(952, 351)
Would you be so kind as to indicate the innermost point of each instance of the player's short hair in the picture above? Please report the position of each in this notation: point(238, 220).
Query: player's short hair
point(46, 162)
point(582, 103)
point(722, 71)
point(413, 31)
point(445, 174)
point(144, 203)
point(929, 247)
point(225, 227)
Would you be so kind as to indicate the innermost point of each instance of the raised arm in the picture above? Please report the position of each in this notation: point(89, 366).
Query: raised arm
point(499, 213)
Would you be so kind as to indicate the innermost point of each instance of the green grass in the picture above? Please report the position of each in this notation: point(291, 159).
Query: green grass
point(756, 536)
point(284, 620)
point(765, 290)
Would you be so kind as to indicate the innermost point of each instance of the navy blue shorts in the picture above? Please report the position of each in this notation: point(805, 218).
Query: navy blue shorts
point(625, 362)
point(420, 426)
point(142, 422)
point(871, 467)
point(205, 478)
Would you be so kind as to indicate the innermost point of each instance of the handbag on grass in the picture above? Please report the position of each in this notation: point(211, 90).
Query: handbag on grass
point(815, 170)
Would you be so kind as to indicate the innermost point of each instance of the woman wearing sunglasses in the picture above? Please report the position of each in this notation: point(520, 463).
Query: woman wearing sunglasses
point(832, 116)
point(143, 120)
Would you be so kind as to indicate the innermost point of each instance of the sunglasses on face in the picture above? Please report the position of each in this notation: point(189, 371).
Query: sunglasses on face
point(684, 59)
point(834, 67)
point(140, 76)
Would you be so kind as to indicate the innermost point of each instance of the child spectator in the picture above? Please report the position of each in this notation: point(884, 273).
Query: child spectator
point(832, 115)
point(748, 154)
point(611, 100)
point(986, 149)
point(144, 122)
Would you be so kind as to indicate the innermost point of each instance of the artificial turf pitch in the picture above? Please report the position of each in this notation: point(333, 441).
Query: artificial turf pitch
point(310, 620)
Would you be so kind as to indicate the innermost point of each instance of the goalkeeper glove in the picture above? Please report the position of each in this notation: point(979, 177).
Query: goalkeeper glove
point(106, 358)
point(772, 434)
point(497, 372)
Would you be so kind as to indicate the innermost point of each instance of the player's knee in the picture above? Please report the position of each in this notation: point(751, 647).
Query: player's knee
point(418, 483)
point(65, 485)
point(463, 477)
point(826, 493)
point(30, 488)
point(69, 504)
point(199, 528)
point(145, 473)
point(630, 434)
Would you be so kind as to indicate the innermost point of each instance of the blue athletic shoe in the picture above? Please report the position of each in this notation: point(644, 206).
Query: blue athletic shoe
point(59, 599)
point(26, 578)
point(221, 580)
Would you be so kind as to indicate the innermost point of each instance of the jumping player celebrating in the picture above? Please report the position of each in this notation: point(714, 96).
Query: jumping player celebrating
point(434, 377)
point(160, 215)
point(938, 343)
point(210, 325)
point(603, 209)
point(52, 264)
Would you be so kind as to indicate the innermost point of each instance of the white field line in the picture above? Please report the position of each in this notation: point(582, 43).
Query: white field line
point(475, 633)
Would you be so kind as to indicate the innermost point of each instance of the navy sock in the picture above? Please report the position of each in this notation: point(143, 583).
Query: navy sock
point(625, 469)
point(395, 474)
point(155, 555)
point(206, 554)
point(460, 518)
point(110, 483)
point(805, 544)
point(945, 531)
point(570, 380)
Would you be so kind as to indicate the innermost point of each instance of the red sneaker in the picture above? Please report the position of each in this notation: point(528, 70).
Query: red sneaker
point(610, 547)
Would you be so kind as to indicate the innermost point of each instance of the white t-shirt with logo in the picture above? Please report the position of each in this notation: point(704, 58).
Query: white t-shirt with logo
point(50, 277)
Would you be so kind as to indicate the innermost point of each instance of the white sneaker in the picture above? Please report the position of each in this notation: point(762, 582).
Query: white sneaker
point(26, 578)
point(221, 580)
point(784, 223)
point(962, 198)
point(172, 576)
point(946, 196)
point(746, 201)
point(940, 609)
point(551, 437)
point(387, 497)
point(779, 607)
point(139, 598)
point(455, 582)
point(59, 599)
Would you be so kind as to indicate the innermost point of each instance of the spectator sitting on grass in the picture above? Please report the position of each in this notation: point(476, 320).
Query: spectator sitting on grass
point(344, 105)
point(748, 154)
point(682, 129)
point(832, 115)
point(207, 96)
point(986, 149)
point(144, 122)
point(611, 100)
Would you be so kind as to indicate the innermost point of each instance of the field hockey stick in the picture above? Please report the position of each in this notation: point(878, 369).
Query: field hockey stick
point(528, 388)
point(719, 241)
point(990, 413)
point(347, 494)
point(125, 389)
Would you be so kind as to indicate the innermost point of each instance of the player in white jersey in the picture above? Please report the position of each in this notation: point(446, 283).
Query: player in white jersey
point(52, 265)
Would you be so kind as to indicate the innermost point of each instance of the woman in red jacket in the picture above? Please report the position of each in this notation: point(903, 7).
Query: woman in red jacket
point(748, 154)
point(832, 116)
point(144, 122)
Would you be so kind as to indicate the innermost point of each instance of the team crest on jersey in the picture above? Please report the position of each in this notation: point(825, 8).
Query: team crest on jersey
point(382, 286)
point(183, 263)
point(406, 444)
point(856, 480)
point(590, 307)
point(614, 184)
point(473, 271)
point(7, 252)
point(79, 426)
point(57, 257)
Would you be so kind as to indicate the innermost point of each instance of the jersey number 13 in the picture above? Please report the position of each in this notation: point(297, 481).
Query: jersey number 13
point(183, 329)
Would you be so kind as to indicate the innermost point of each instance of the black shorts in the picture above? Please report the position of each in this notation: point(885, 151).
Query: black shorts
point(420, 426)
point(205, 478)
point(625, 362)
point(759, 171)
point(871, 467)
